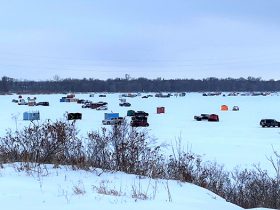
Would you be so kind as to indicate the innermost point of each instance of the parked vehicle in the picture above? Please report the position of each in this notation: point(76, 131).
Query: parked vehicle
point(235, 108)
point(161, 95)
point(81, 101)
point(147, 96)
point(15, 101)
point(102, 107)
point(113, 121)
point(269, 123)
point(87, 105)
point(126, 104)
point(98, 104)
point(202, 117)
point(141, 113)
point(45, 103)
point(22, 102)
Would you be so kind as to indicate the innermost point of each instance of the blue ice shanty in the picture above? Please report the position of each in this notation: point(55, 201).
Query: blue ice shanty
point(109, 116)
point(31, 116)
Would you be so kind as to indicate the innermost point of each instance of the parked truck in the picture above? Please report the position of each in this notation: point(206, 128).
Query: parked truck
point(112, 119)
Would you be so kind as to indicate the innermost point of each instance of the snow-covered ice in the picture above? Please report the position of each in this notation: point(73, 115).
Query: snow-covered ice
point(237, 140)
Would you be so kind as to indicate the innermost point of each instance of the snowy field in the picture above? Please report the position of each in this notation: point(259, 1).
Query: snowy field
point(237, 140)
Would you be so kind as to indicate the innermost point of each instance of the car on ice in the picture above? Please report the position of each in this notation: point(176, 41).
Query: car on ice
point(269, 123)
point(102, 107)
point(201, 117)
point(113, 121)
point(208, 117)
point(126, 104)
point(141, 114)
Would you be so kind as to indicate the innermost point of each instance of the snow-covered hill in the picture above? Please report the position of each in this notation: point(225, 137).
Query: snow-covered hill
point(65, 188)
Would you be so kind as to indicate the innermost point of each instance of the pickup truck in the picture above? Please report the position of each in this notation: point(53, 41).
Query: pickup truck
point(208, 117)
point(202, 117)
point(113, 121)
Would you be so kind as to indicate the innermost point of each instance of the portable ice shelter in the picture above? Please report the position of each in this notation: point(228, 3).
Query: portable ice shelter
point(224, 108)
point(160, 110)
point(213, 118)
point(74, 116)
point(31, 115)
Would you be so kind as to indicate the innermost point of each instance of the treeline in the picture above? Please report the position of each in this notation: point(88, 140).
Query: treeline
point(8, 85)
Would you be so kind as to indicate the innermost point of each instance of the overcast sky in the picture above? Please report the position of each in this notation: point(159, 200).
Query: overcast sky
point(143, 38)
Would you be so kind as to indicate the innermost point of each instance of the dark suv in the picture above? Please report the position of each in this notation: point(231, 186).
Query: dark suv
point(269, 123)
point(202, 117)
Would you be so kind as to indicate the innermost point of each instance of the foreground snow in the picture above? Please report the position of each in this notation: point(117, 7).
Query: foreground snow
point(64, 188)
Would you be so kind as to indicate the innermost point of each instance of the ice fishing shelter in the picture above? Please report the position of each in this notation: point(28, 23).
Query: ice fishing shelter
point(63, 99)
point(74, 116)
point(31, 115)
point(224, 108)
point(213, 118)
point(109, 116)
point(130, 112)
point(31, 101)
point(70, 95)
point(160, 110)
point(69, 98)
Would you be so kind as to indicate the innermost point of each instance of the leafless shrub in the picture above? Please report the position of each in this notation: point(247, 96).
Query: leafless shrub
point(123, 148)
point(55, 143)
point(99, 151)
point(275, 162)
point(138, 193)
point(79, 189)
point(185, 166)
point(217, 179)
point(168, 192)
point(104, 189)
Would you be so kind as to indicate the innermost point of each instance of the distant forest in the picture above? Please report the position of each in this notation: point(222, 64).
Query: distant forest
point(127, 84)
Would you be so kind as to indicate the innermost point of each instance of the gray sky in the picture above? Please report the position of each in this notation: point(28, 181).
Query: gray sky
point(143, 38)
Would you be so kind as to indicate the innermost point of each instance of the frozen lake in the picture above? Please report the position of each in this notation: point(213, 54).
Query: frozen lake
point(236, 140)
